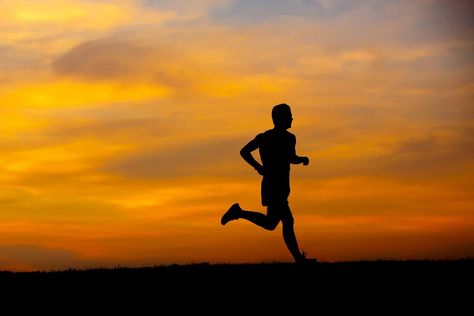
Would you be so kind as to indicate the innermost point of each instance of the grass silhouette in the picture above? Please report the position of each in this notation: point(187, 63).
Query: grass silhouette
point(243, 288)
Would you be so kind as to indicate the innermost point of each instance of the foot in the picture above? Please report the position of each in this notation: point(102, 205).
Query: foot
point(231, 214)
point(302, 259)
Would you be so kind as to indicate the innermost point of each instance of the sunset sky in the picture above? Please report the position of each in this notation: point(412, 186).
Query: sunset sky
point(121, 124)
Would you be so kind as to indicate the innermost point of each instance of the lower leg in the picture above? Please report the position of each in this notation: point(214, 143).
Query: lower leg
point(290, 240)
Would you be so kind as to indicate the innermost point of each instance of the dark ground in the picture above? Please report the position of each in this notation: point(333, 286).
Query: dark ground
point(376, 287)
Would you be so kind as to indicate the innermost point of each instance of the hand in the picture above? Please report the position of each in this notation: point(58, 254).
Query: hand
point(260, 170)
point(305, 161)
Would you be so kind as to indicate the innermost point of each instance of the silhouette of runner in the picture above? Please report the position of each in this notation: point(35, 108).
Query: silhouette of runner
point(277, 152)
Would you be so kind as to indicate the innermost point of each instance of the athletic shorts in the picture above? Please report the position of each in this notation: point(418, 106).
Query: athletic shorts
point(275, 190)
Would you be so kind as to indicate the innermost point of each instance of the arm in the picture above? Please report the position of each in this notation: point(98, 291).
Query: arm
point(294, 158)
point(298, 159)
point(246, 153)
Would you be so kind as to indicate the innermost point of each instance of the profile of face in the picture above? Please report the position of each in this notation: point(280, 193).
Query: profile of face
point(281, 115)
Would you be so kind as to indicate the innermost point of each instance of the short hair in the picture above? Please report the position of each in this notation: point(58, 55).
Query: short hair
point(279, 111)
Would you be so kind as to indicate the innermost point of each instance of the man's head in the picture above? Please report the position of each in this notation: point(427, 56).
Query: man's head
point(281, 115)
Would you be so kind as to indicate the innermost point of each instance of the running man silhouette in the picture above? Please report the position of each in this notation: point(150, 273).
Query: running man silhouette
point(277, 152)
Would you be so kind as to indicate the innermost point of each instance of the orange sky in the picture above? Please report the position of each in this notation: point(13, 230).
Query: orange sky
point(122, 121)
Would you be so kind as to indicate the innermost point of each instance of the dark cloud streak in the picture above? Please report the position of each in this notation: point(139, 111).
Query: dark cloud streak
point(125, 60)
point(103, 59)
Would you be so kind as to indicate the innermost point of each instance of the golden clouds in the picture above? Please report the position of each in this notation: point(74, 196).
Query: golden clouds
point(205, 72)
point(121, 123)
point(25, 22)
point(44, 28)
point(59, 159)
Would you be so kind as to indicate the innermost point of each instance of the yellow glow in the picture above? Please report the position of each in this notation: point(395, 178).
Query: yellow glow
point(80, 155)
point(14, 123)
point(62, 94)
point(79, 13)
